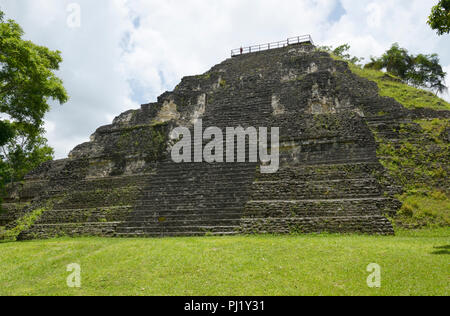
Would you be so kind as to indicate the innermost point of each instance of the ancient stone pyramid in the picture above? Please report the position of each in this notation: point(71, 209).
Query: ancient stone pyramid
point(124, 183)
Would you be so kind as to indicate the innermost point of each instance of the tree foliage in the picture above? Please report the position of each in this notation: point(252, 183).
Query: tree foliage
point(343, 53)
point(417, 70)
point(396, 61)
point(27, 84)
point(427, 72)
point(439, 19)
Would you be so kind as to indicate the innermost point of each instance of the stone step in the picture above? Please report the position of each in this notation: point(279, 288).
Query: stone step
point(198, 179)
point(94, 215)
point(193, 176)
point(178, 229)
point(252, 212)
point(79, 205)
point(218, 194)
point(203, 184)
point(199, 183)
point(184, 215)
point(322, 181)
point(200, 204)
point(286, 192)
point(173, 234)
point(143, 217)
point(162, 223)
point(316, 195)
point(350, 224)
point(187, 185)
point(169, 166)
point(321, 173)
point(196, 210)
point(325, 200)
point(225, 203)
point(318, 159)
point(70, 229)
point(199, 176)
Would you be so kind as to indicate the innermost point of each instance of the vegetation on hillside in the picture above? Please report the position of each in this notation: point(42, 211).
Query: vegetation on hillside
point(422, 70)
point(391, 86)
point(399, 73)
point(419, 162)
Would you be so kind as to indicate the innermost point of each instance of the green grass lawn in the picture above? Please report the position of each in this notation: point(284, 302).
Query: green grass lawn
point(412, 263)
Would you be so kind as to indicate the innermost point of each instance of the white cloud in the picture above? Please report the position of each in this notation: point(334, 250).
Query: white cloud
point(129, 51)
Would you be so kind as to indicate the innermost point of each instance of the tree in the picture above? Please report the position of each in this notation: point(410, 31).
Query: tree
point(439, 19)
point(6, 132)
point(23, 153)
point(427, 72)
point(397, 61)
point(27, 83)
point(420, 71)
point(342, 52)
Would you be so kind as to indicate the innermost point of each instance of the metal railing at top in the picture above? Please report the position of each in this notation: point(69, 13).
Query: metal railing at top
point(258, 48)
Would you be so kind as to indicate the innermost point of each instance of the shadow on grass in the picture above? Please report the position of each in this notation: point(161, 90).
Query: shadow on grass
point(443, 250)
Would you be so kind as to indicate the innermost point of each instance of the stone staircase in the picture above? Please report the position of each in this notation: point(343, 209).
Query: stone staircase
point(94, 207)
point(191, 199)
point(318, 198)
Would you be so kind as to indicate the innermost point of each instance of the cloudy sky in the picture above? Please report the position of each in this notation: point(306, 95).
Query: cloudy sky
point(124, 53)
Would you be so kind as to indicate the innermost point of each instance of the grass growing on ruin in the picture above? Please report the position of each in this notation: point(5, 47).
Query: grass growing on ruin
point(409, 96)
point(391, 86)
point(412, 263)
point(418, 161)
point(424, 209)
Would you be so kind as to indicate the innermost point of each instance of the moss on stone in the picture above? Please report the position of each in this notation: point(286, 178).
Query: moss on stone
point(222, 83)
point(22, 224)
